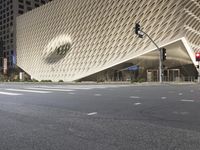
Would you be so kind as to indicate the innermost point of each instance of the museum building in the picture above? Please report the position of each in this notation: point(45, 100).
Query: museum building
point(75, 40)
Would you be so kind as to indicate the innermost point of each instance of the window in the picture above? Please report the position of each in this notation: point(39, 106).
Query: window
point(37, 5)
point(29, 8)
point(28, 2)
point(4, 54)
point(42, 1)
point(20, 12)
point(21, 6)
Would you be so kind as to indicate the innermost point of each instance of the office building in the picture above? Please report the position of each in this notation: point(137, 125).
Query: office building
point(9, 10)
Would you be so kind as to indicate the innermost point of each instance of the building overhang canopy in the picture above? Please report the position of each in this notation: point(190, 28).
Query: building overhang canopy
point(179, 53)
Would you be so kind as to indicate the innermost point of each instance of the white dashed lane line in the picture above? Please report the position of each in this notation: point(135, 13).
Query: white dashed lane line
point(136, 104)
point(134, 97)
point(11, 94)
point(97, 94)
point(163, 97)
point(187, 100)
point(91, 114)
point(29, 91)
point(180, 94)
point(180, 113)
point(71, 93)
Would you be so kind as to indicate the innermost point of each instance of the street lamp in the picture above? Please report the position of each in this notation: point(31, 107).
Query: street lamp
point(141, 33)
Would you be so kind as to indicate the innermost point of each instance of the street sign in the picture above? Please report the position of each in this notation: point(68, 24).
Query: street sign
point(133, 68)
point(14, 59)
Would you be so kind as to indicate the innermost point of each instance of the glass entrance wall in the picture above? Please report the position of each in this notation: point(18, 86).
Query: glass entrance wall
point(170, 75)
point(152, 75)
point(128, 72)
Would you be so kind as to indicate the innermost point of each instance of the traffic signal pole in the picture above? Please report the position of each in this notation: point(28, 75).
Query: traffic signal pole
point(160, 57)
point(160, 67)
point(198, 69)
point(197, 56)
point(141, 33)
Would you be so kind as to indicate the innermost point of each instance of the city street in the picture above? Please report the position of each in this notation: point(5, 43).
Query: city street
point(49, 116)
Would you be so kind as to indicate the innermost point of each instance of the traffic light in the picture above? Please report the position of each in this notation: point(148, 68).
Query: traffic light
point(164, 54)
point(137, 28)
point(197, 55)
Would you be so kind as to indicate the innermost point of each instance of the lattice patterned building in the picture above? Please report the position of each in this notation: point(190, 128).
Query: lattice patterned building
point(94, 39)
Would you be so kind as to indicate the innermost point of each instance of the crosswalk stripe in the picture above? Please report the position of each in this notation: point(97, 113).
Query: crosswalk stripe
point(50, 89)
point(30, 91)
point(65, 88)
point(12, 94)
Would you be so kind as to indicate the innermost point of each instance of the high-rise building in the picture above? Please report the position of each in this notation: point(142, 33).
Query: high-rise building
point(9, 10)
point(95, 40)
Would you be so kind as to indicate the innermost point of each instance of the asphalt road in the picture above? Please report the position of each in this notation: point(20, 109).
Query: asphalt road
point(99, 117)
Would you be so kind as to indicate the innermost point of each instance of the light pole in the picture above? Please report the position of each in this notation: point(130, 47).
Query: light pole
point(1, 55)
point(162, 51)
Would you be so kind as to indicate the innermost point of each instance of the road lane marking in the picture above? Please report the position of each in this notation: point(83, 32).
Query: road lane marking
point(180, 93)
point(136, 104)
point(180, 113)
point(97, 94)
point(163, 97)
point(134, 97)
point(82, 88)
point(91, 114)
point(137, 90)
point(30, 91)
point(11, 94)
point(50, 89)
point(71, 130)
point(71, 93)
point(101, 87)
point(184, 113)
point(187, 100)
point(65, 88)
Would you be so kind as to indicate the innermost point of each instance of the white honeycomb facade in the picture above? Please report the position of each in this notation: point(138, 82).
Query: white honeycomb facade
point(100, 33)
point(192, 23)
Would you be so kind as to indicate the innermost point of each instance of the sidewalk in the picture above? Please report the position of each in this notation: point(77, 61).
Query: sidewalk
point(103, 83)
